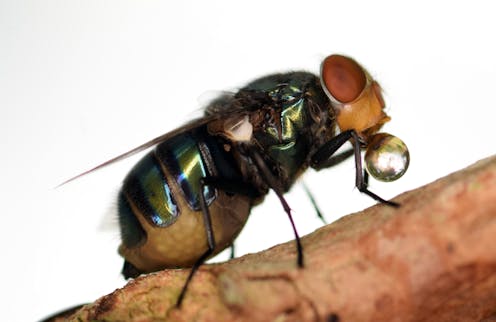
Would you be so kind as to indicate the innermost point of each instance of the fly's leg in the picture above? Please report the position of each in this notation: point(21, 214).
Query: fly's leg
point(207, 221)
point(230, 186)
point(361, 180)
point(321, 157)
point(337, 158)
point(231, 256)
point(314, 203)
point(234, 187)
point(330, 162)
point(274, 185)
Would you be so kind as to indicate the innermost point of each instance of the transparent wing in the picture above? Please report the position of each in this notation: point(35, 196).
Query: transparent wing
point(224, 106)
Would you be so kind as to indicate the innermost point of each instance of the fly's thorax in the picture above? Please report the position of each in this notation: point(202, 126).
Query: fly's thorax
point(284, 117)
point(292, 119)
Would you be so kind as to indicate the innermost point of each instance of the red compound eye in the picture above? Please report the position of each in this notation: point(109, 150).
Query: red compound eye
point(343, 78)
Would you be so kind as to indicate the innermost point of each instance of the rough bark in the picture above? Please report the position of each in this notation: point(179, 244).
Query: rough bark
point(432, 259)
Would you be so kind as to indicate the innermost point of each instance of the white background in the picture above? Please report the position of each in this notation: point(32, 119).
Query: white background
point(82, 81)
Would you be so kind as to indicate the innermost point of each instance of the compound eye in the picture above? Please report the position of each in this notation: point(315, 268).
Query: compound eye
point(343, 78)
point(387, 157)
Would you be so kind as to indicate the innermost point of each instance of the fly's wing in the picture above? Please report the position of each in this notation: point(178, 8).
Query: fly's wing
point(244, 101)
point(142, 147)
point(224, 106)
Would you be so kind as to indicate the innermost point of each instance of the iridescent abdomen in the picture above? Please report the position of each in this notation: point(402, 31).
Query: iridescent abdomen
point(159, 203)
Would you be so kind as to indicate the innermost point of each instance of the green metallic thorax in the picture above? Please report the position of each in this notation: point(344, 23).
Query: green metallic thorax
point(295, 123)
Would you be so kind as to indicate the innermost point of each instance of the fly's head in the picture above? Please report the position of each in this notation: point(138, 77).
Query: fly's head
point(358, 104)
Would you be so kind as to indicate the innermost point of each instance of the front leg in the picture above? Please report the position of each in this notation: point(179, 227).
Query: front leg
point(320, 160)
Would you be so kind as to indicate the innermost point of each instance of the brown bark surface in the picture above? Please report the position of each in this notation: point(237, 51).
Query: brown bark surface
point(433, 259)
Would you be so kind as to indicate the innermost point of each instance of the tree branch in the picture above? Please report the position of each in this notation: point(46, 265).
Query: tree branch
point(433, 259)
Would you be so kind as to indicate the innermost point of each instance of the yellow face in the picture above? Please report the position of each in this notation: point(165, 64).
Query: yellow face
point(355, 97)
point(356, 100)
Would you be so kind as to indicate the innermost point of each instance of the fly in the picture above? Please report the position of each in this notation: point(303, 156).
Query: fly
point(188, 199)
